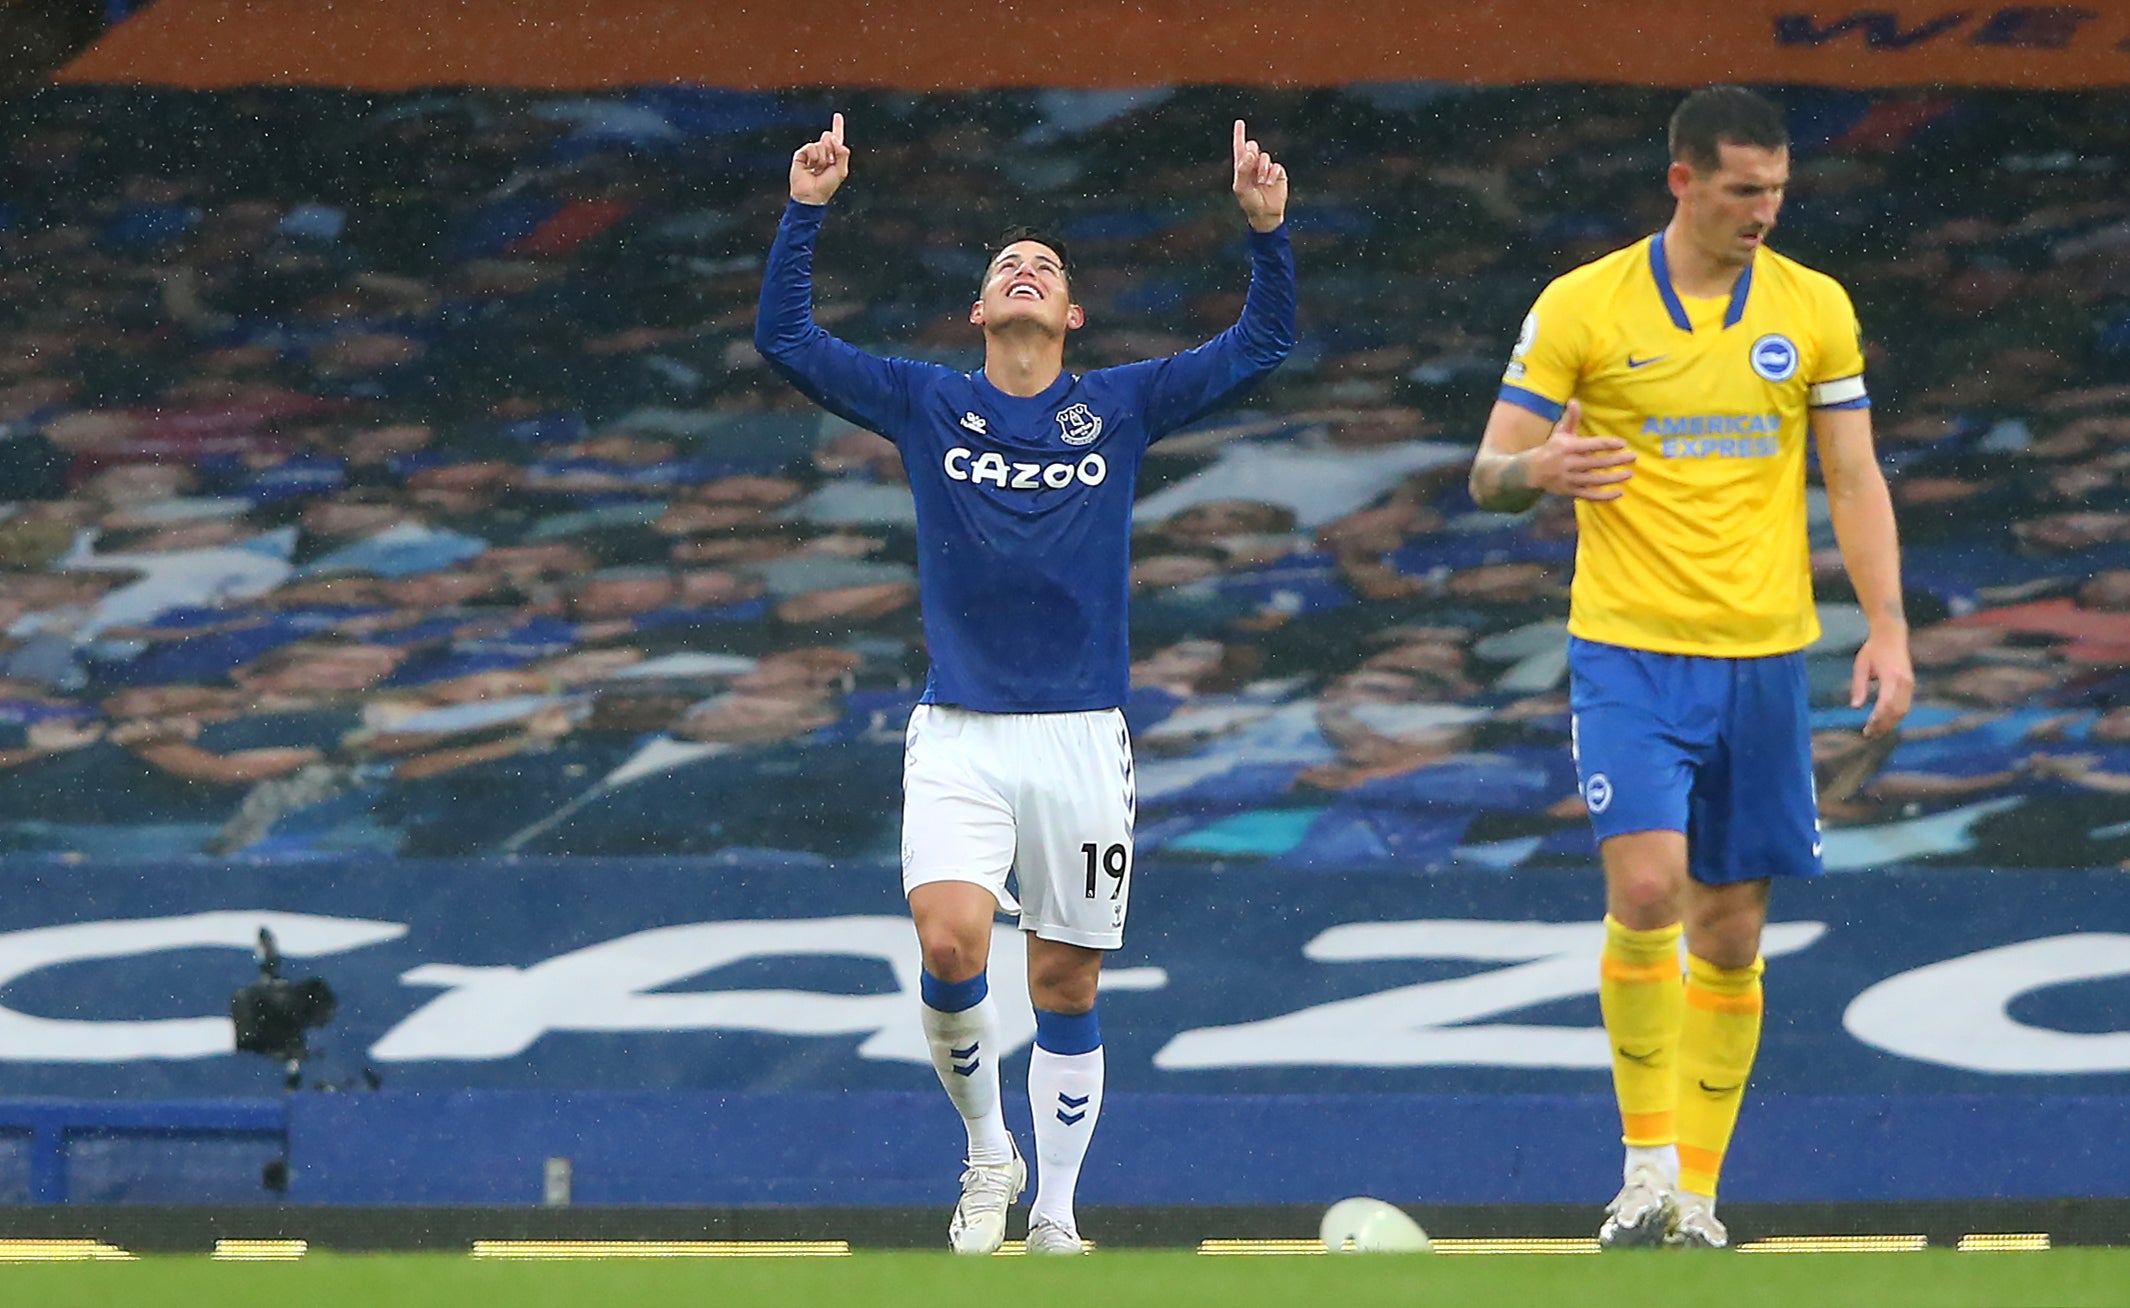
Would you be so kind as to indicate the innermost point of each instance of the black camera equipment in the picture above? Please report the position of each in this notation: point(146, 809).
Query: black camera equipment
point(273, 1012)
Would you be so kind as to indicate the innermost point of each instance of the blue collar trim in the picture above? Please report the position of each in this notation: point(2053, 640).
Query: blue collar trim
point(1660, 270)
point(1739, 290)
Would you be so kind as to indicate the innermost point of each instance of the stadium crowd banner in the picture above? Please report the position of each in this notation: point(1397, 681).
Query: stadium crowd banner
point(930, 45)
point(745, 1031)
point(746, 975)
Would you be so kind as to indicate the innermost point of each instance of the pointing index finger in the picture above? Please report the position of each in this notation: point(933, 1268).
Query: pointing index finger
point(835, 128)
point(1241, 136)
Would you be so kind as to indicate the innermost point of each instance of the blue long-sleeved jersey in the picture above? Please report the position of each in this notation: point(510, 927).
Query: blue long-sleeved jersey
point(1024, 505)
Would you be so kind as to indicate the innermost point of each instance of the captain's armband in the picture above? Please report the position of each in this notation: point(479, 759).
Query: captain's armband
point(1842, 393)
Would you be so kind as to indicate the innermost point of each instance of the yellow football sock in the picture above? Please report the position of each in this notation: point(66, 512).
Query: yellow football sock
point(1644, 1004)
point(1716, 1048)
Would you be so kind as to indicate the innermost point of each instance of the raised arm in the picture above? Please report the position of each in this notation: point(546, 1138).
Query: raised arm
point(869, 391)
point(1260, 183)
point(818, 168)
point(1198, 381)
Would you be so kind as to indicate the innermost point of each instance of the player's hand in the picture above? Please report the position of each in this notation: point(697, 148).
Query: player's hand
point(1884, 659)
point(1260, 183)
point(819, 167)
point(1577, 466)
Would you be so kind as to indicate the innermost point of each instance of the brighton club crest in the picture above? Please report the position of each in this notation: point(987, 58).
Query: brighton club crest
point(1774, 357)
point(1076, 426)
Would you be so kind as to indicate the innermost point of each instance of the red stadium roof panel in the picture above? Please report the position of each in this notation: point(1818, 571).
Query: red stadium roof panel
point(926, 45)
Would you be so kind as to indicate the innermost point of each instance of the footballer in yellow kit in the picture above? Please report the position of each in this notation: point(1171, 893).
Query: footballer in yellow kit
point(1709, 555)
point(1671, 389)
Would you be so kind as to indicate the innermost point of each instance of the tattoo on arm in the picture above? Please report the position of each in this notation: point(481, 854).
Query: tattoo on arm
point(1501, 484)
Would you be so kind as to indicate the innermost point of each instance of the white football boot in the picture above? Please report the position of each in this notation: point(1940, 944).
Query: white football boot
point(1049, 1238)
point(987, 1191)
point(1641, 1215)
point(1697, 1227)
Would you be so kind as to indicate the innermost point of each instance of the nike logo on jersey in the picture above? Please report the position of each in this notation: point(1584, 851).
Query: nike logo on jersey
point(974, 423)
point(1633, 362)
point(1719, 1090)
point(1646, 1059)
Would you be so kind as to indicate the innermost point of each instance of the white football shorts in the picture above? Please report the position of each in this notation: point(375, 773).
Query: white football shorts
point(1045, 797)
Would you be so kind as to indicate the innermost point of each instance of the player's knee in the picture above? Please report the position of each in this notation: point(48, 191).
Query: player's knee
point(1728, 952)
point(949, 954)
point(1071, 994)
point(1728, 940)
point(1643, 899)
point(1723, 926)
point(1645, 878)
point(1065, 984)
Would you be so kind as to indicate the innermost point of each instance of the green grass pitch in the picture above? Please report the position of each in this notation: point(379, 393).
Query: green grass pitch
point(2058, 1278)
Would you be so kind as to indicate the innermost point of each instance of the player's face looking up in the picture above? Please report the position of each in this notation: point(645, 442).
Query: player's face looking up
point(1727, 210)
point(1026, 285)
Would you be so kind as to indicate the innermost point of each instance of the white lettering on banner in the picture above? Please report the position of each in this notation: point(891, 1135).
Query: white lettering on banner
point(499, 1012)
point(1955, 1013)
point(1437, 1023)
point(1958, 1013)
point(28, 1039)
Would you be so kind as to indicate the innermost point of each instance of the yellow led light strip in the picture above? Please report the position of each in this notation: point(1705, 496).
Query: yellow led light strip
point(1019, 1248)
point(1258, 1248)
point(2009, 1243)
point(1836, 1244)
point(260, 1251)
point(1518, 1246)
point(538, 1249)
point(61, 1251)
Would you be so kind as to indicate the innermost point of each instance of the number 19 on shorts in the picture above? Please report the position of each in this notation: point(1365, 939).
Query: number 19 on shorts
point(1113, 862)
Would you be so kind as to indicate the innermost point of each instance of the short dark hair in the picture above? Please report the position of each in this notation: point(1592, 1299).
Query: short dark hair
point(1716, 116)
point(1014, 236)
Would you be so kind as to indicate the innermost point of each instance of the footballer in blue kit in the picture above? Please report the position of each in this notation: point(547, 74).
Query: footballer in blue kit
point(1017, 762)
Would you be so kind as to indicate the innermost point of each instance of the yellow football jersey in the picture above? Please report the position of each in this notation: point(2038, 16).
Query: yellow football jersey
point(1706, 552)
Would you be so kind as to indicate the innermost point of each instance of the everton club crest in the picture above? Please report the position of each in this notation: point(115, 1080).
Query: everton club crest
point(1076, 426)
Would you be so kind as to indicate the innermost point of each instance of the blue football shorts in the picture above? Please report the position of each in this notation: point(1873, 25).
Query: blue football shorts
point(1717, 748)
